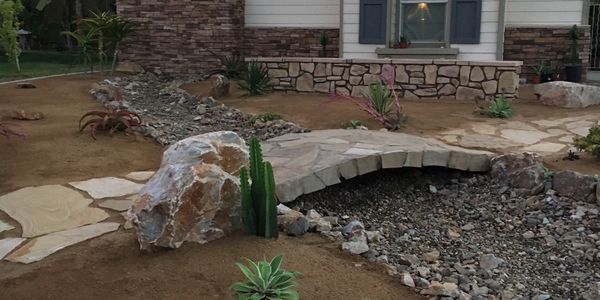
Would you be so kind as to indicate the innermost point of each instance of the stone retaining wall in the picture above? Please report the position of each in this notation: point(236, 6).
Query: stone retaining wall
point(532, 45)
point(414, 78)
point(291, 41)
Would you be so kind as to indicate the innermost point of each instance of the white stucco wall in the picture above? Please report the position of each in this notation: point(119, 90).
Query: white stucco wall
point(544, 12)
point(293, 13)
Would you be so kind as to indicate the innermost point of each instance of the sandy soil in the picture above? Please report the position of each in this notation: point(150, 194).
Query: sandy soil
point(427, 118)
point(111, 266)
point(115, 269)
point(54, 151)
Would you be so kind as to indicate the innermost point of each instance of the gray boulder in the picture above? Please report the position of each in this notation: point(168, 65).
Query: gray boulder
point(574, 185)
point(567, 94)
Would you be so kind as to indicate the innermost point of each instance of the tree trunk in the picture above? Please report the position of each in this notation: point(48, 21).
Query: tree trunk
point(78, 10)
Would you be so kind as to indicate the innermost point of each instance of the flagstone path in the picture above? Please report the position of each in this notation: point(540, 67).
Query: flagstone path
point(542, 136)
point(56, 216)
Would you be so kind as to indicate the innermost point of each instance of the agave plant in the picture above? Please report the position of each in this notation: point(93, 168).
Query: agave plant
point(255, 80)
point(259, 203)
point(265, 280)
point(111, 120)
point(499, 108)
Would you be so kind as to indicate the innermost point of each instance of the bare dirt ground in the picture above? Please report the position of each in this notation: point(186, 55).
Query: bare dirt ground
point(426, 118)
point(54, 150)
point(112, 266)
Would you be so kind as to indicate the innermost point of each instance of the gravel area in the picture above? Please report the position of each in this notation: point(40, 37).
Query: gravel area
point(477, 235)
point(170, 114)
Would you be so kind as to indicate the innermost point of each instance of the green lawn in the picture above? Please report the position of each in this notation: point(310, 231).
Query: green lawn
point(39, 63)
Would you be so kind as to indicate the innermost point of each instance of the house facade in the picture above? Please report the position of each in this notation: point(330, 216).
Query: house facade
point(182, 36)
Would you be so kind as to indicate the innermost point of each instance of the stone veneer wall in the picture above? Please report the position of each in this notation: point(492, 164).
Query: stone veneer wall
point(291, 41)
point(532, 45)
point(177, 37)
point(415, 78)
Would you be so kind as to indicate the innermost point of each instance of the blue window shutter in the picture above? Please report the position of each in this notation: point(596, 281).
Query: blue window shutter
point(465, 22)
point(373, 21)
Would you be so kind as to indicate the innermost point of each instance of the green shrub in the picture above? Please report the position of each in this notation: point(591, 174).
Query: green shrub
point(255, 80)
point(266, 117)
point(234, 66)
point(259, 203)
point(381, 98)
point(324, 40)
point(354, 124)
point(589, 143)
point(265, 280)
point(499, 108)
point(9, 26)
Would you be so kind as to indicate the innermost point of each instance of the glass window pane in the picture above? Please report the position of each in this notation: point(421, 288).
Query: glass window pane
point(424, 21)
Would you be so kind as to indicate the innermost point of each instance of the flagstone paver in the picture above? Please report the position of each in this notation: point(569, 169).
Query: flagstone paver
point(39, 248)
point(140, 176)
point(107, 187)
point(527, 137)
point(50, 208)
point(308, 162)
point(9, 244)
point(117, 205)
point(5, 226)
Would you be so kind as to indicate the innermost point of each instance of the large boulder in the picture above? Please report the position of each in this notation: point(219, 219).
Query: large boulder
point(195, 195)
point(524, 171)
point(567, 94)
point(574, 185)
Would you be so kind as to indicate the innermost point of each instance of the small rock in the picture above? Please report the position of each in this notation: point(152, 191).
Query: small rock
point(489, 262)
point(468, 227)
point(26, 85)
point(319, 225)
point(407, 280)
point(432, 256)
point(528, 234)
point(282, 209)
point(358, 245)
point(541, 297)
point(453, 234)
point(352, 228)
point(312, 215)
point(293, 223)
point(334, 236)
point(374, 237)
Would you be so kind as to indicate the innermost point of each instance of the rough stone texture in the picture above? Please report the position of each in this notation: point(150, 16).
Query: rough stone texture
point(532, 45)
point(288, 42)
point(304, 163)
point(49, 208)
point(415, 78)
point(219, 86)
point(567, 94)
point(171, 40)
point(574, 185)
point(140, 175)
point(521, 170)
point(9, 244)
point(195, 195)
point(5, 226)
point(39, 248)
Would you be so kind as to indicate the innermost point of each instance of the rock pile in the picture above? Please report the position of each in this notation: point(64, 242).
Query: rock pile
point(171, 114)
point(471, 236)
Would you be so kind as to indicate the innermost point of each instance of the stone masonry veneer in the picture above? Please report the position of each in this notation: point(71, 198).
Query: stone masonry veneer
point(534, 45)
point(182, 37)
point(414, 78)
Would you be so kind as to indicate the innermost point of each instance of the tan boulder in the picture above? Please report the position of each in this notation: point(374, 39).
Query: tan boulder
point(195, 195)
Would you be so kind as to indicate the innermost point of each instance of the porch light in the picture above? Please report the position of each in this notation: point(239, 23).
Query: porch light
point(422, 6)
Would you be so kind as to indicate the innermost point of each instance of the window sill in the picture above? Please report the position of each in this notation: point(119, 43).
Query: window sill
point(448, 53)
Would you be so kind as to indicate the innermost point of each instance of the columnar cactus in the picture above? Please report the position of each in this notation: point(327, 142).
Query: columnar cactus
point(259, 204)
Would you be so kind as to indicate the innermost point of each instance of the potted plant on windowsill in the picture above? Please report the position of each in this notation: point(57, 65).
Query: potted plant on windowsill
point(574, 69)
point(324, 40)
point(403, 43)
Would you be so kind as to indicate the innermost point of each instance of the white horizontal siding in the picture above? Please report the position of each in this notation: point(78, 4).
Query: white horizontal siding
point(293, 13)
point(544, 12)
point(351, 47)
point(487, 47)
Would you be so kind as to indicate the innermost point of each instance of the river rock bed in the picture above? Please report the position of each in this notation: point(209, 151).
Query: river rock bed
point(170, 114)
point(454, 235)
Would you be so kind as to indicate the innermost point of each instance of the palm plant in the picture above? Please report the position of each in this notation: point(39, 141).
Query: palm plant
point(85, 41)
point(115, 32)
point(266, 280)
point(255, 80)
point(100, 23)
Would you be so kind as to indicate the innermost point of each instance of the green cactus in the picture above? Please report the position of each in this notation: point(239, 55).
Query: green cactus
point(248, 213)
point(259, 204)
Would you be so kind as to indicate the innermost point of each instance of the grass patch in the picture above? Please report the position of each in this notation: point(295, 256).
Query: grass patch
point(40, 63)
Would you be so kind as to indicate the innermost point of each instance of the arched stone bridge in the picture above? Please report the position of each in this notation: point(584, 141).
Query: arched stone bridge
point(307, 162)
